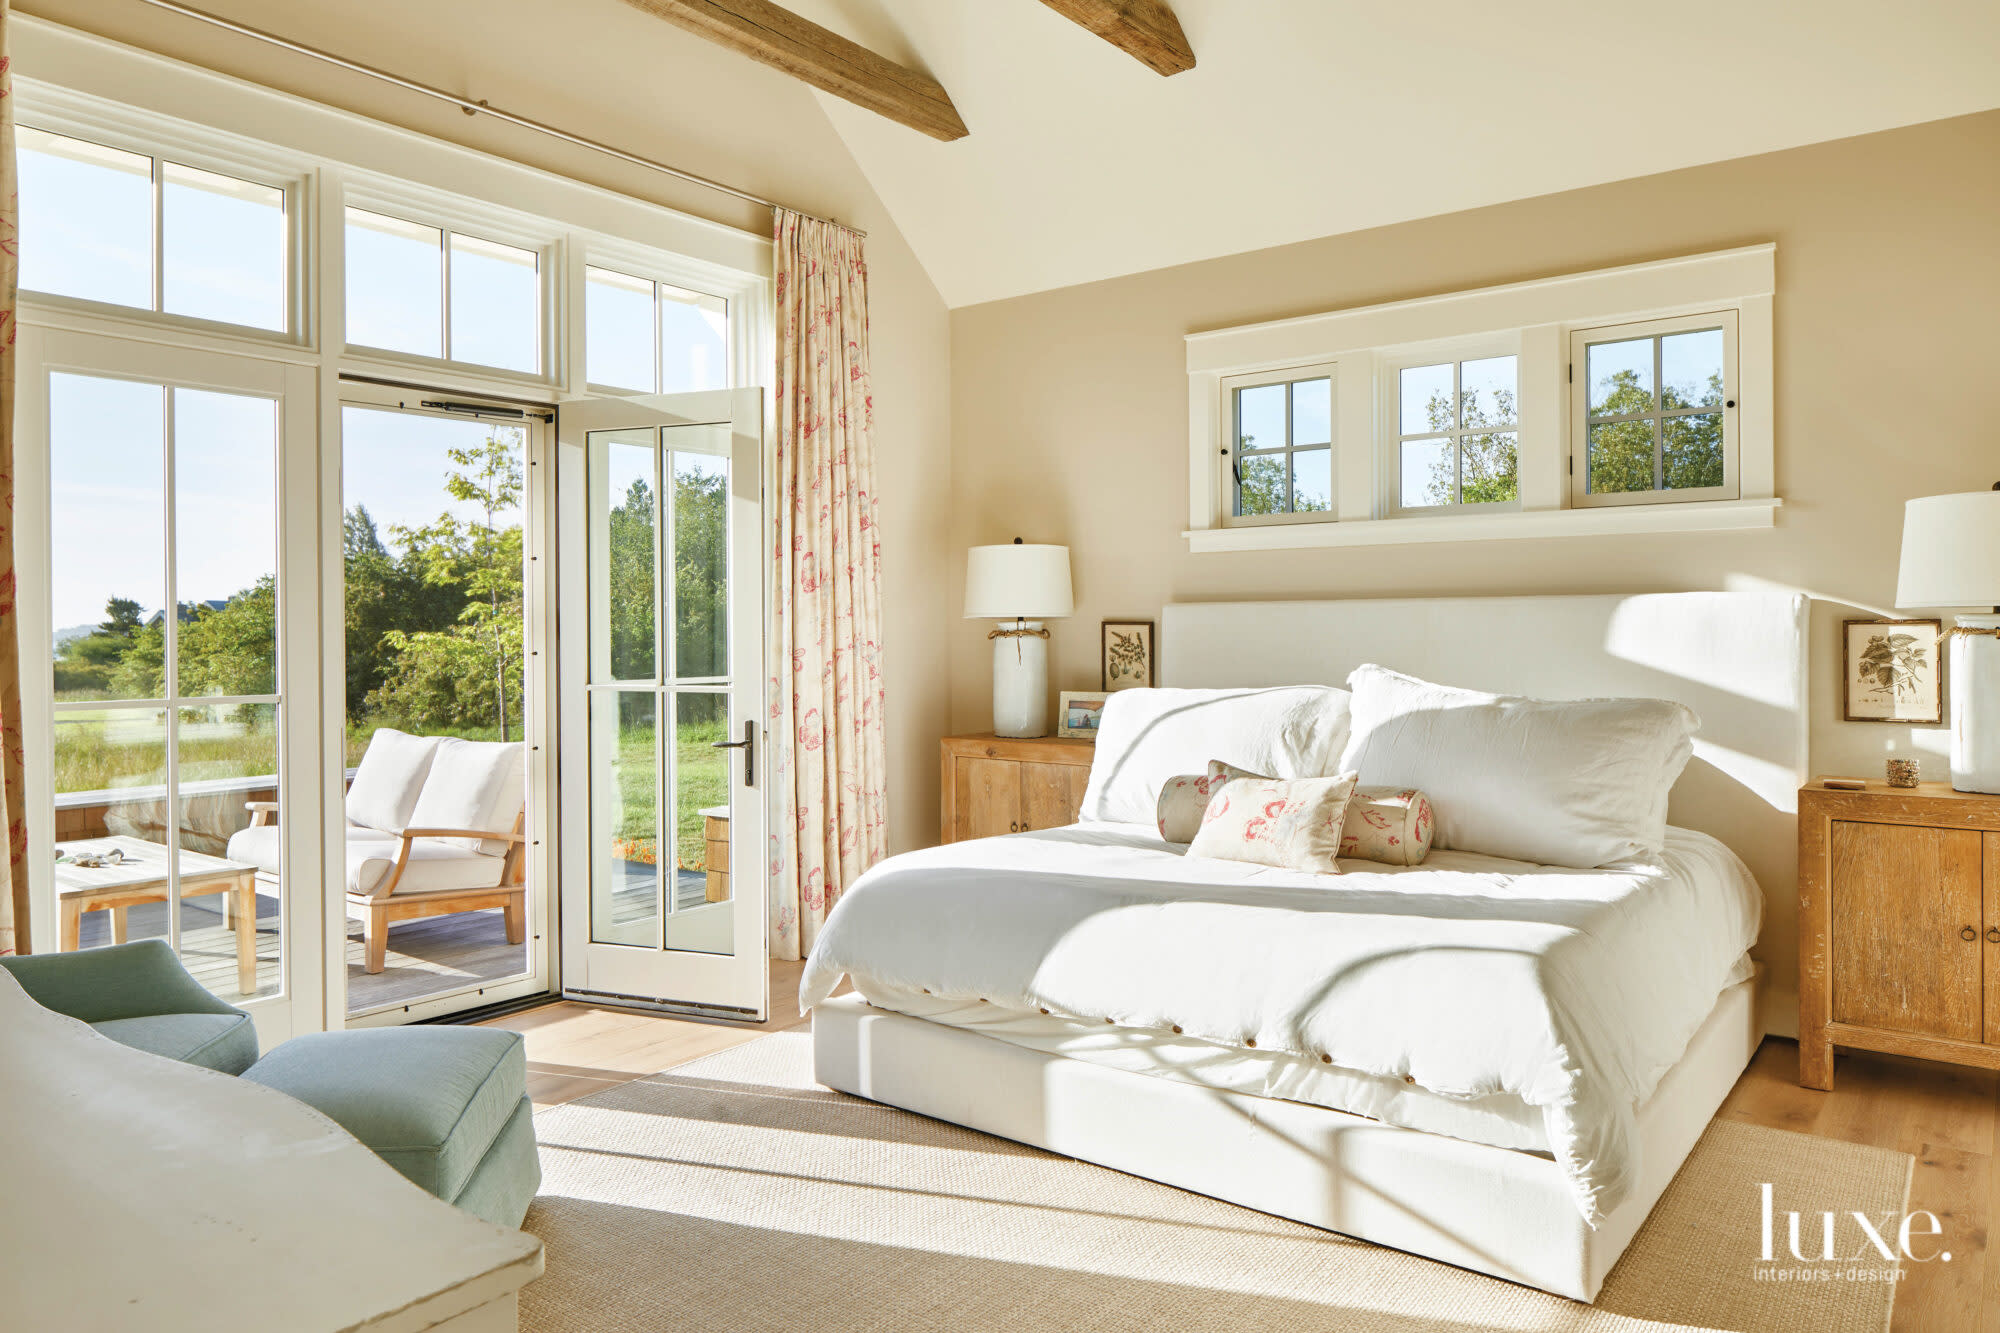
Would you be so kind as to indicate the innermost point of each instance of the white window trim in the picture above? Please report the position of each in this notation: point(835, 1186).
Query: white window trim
point(1580, 496)
point(1540, 314)
point(1389, 364)
point(1225, 457)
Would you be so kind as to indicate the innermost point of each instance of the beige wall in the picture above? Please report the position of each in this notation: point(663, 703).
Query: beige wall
point(645, 86)
point(1069, 408)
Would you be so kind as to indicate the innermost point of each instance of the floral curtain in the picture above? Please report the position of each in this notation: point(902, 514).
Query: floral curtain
point(828, 754)
point(13, 804)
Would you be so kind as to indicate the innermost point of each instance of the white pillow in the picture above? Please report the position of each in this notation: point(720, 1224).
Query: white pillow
point(1558, 782)
point(472, 785)
point(391, 774)
point(1147, 737)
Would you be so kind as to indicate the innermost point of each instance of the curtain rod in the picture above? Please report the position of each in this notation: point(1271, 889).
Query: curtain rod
point(478, 108)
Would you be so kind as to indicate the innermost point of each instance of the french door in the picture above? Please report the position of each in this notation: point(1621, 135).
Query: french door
point(660, 520)
point(165, 513)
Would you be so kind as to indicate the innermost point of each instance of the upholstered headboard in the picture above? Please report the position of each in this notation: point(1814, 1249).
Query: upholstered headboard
point(1736, 658)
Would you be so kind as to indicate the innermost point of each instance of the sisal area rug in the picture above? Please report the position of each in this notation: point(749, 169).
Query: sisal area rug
point(734, 1193)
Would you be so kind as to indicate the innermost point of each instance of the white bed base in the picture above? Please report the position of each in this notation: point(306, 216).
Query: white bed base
point(1493, 1210)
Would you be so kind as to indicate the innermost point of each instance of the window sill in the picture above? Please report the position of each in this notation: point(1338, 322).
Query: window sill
point(1514, 525)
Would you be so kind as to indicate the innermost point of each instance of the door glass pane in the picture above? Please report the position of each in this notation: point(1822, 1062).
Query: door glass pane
point(111, 854)
point(224, 243)
point(434, 551)
point(107, 452)
point(700, 916)
point(1621, 456)
point(86, 219)
point(1620, 377)
point(626, 540)
point(395, 284)
point(694, 341)
point(701, 555)
point(1691, 450)
point(624, 818)
point(618, 331)
point(229, 858)
point(226, 542)
point(1428, 472)
point(495, 305)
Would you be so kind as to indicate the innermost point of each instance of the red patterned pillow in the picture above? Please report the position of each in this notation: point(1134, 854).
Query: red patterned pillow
point(1295, 824)
point(1392, 825)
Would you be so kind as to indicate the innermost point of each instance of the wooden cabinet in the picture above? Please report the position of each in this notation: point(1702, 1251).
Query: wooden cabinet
point(1899, 925)
point(993, 785)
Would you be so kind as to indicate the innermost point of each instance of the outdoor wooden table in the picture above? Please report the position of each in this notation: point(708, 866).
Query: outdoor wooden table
point(142, 878)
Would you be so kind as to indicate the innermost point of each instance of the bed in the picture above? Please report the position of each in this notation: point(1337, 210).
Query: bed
point(1489, 1062)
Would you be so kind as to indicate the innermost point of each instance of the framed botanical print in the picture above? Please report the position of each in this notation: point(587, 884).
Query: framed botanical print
point(1893, 671)
point(1128, 654)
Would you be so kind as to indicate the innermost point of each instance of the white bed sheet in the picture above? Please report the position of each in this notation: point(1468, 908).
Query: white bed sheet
point(1470, 979)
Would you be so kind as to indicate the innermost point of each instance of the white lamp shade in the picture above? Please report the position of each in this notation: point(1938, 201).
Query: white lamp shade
point(1017, 582)
point(1951, 551)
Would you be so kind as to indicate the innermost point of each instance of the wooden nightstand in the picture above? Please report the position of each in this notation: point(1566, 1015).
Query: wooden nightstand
point(994, 785)
point(1899, 925)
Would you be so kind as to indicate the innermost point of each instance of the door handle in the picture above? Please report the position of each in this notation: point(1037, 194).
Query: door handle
point(749, 747)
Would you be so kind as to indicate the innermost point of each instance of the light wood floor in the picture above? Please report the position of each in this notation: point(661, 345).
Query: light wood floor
point(1947, 1118)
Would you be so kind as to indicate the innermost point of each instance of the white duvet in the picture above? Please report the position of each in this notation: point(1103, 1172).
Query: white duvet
point(1470, 976)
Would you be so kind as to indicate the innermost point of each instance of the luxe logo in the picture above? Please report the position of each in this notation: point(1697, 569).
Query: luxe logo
point(1838, 1231)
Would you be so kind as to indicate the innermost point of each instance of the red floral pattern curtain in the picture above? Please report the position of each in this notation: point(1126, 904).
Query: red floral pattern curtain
point(829, 759)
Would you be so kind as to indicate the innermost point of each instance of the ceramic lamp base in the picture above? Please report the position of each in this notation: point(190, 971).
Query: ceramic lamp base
point(1975, 706)
point(1020, 681)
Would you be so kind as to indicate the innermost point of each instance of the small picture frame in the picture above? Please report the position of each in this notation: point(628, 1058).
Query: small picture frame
point(1892, 671)
point(1077, 713)
point(1128, 655)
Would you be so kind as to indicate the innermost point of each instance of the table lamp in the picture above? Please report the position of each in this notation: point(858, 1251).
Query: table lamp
point(1951, 559)
point(1020, 586)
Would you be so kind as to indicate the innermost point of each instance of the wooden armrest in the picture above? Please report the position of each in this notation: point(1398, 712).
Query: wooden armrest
point(485, 834)
point(260, 812)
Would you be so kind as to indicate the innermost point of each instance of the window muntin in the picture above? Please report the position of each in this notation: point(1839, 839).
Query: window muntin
point(102, 224)
point(1278, 463)
point(404, 278)
point(1457, 433)
point(653, 337)
point(1654, 411)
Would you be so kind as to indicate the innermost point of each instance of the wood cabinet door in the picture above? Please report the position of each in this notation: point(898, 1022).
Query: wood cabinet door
point(988, 793)
point(1990, 938)
point(1051, 794)
point(1903, 899)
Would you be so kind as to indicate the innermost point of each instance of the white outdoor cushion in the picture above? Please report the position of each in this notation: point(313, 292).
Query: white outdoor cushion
point(1558, 782)
point(259, 845)
point(435, 863)
point(472, 784)
point(1147, 737)
point(385, 788)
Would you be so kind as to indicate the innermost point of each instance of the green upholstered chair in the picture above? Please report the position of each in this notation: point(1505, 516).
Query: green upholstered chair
point(140, 995)
point(446, 1106)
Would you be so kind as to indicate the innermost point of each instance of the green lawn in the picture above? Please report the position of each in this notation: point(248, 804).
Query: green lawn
point(703, 774)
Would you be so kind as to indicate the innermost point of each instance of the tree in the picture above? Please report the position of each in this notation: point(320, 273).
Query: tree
point(122, 618)
point(1622, 455)
point(1485, 469)
point(632, 547)
point(232, 649)
point(385, 592)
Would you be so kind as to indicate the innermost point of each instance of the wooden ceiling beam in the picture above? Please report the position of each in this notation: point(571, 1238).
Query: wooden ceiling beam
point(826, 60)
point(1145, 29)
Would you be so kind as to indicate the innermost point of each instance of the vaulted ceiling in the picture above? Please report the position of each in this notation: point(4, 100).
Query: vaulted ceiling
point(1305, 118)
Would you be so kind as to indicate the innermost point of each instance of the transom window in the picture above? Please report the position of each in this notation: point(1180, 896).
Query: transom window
point(102, 224)
point(1457, 433)
point(430, 291)
point(1279, 462)
point(653, 337)
point(1652, 402)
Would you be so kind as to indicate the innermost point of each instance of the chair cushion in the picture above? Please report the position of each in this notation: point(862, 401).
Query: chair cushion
point(260, 845)
point(429, 1101)
point(473, 784)
point(504, 1183)
point(225, 1042)
point(386, 785)
point(435, 864)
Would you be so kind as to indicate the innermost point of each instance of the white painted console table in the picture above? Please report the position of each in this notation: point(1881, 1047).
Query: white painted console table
point(140, 1193)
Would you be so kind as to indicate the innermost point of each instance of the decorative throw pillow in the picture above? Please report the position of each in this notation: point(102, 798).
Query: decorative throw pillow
point(1295, 824)
point(1392, 825)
